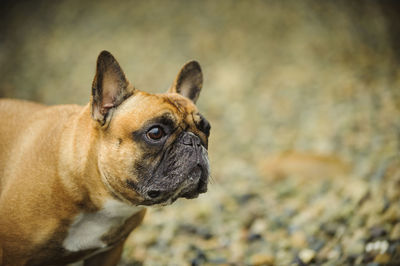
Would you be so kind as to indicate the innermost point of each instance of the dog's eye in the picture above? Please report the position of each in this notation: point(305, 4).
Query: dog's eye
point(155, 133)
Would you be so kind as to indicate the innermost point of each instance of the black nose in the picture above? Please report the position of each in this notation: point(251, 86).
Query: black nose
point(153, 193)
point(188, 138)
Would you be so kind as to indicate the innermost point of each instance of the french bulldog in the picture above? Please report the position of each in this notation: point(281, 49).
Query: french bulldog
point(76, 180)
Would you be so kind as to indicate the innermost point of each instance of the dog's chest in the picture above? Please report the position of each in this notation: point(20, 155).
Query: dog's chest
point(89, 230)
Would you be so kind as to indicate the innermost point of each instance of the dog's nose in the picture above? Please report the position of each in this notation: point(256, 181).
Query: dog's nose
point(190, 139)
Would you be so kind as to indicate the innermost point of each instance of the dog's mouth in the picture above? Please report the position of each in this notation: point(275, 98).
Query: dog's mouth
point(182, 172)
point(193, 185)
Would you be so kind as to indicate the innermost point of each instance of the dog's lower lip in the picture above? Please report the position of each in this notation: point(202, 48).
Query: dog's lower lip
point(195, 183)
point(190, 196)
point(187, 195)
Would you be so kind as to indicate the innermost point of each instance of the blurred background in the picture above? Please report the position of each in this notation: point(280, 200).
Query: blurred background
point(304, 102)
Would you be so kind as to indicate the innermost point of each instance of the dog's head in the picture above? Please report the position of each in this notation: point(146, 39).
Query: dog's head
point(152, 148)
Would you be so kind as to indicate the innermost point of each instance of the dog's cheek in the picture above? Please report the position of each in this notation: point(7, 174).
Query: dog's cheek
point(116, 163)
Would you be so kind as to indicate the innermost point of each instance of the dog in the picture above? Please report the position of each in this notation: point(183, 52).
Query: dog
point(75, 181)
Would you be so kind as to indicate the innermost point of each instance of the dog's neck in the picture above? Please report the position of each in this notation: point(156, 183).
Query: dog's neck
point(79, 148)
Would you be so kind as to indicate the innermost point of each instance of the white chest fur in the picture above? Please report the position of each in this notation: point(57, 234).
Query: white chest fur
point(87, 229)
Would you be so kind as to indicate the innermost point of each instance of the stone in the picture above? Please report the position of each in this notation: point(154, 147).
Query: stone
point(298, 239)
point(395, 233)
point(259, 226)
point(353, 245)
point(355, 248)
point(307, 255)
point(378, 231)
point(254, 237)
point(333, 255)
point(382, 258)
point(262, 259)
point(377, 247)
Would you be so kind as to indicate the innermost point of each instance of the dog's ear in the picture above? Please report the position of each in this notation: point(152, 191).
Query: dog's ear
point(189, 81)
point(110, 87)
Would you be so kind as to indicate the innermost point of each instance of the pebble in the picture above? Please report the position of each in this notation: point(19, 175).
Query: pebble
point(392, 214)
point(377, 247)
point(298, 239)
point(254, 237)
point(237, 250)
point(245, 198)
point(262, 260)
point(395, 233)
point(259, 226)
point(307, 255)
point(353, 246)
point(330, 228)
point(382, 258)
point(333, 255)
point(196, 230)
point(378, 231)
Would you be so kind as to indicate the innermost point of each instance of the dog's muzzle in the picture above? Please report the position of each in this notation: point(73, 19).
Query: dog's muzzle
point(183, 173)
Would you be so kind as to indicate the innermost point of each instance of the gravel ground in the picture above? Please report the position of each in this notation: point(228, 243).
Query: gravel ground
point(304, 102)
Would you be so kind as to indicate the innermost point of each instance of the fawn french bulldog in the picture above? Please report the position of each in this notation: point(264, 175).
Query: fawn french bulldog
point(75, 181)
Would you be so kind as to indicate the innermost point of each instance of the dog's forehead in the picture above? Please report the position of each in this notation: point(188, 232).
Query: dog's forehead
point(180, 103)
point(142, 107)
